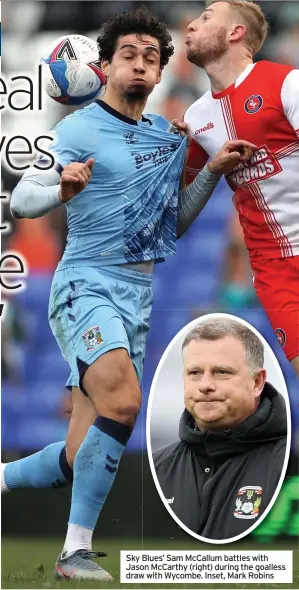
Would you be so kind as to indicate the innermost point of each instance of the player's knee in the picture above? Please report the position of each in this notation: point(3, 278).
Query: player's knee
point(126, 411)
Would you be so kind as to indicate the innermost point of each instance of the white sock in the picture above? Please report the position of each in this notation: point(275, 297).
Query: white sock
point(4, 488)
point(77, 537)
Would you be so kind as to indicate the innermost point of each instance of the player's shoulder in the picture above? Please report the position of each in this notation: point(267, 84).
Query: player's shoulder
point(272, 66)
point(158, 122)
point(277, 72)
point(198, 106)
point(77, 120)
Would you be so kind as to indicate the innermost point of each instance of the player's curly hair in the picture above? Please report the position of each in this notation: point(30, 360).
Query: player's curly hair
point(139, 21)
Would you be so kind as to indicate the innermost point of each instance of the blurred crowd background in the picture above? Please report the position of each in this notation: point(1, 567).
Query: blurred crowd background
point(210, 271)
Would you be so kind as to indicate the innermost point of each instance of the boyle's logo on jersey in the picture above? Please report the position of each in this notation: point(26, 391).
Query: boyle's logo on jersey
point(155, 158)
point(253, 104)
point(248, 502)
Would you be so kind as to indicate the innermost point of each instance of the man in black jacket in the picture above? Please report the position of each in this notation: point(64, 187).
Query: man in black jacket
point(222, 474)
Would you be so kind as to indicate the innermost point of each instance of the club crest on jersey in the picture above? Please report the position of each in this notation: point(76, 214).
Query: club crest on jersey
point(253, 104)
point(92, 337)
point(248, 502)
point(281, 336)
point(173, 129)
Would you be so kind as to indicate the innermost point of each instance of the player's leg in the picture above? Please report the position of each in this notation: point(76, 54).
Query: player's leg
point(47, 468)
point(277, 286)
point(112, 385)
point(52, 466)
point(109, 379)
point(82, 417)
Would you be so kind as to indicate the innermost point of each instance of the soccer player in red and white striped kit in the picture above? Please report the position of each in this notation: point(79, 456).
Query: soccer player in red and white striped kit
point(258, 102)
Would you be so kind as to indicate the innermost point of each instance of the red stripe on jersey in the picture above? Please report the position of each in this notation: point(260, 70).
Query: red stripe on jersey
point(268, 232)
point(197, 159)
point(225, 119)
point(286, 248)
point(289, 149)
point(252, 216)
point(230, 117)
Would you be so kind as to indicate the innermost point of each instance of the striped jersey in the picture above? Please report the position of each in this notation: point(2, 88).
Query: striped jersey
point(261, 107)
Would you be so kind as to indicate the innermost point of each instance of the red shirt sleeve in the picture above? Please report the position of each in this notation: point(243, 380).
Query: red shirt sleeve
point(197, 159)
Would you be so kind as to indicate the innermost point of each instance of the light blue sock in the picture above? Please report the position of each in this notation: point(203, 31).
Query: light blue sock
point(44, 469)
point(95, 468)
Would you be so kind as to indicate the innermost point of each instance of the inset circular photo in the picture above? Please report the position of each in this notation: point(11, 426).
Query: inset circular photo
point(218, 428)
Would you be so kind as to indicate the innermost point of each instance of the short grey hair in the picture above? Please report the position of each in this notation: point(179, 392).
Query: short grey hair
point(217, 328)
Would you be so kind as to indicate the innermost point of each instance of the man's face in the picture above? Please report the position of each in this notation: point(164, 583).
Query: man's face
point(135, 67)
point(219, 390)
point(207, 38)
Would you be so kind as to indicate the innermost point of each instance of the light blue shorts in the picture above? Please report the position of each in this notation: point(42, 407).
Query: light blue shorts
point(92, 311)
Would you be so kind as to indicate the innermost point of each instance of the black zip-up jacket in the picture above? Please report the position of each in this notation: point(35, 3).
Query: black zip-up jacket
point(219, 484)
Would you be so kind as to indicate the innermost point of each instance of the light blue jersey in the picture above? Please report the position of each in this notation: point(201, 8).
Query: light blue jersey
point(128, 211)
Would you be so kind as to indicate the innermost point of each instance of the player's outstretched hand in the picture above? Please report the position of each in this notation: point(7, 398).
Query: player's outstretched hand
point(74, 178)
point(231, 153)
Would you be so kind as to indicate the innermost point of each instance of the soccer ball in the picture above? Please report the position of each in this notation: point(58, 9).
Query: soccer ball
point(71, 70)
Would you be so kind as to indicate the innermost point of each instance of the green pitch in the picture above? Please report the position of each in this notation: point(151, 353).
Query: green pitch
point(28, 563)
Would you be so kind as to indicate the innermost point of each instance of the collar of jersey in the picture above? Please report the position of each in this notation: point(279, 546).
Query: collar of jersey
point(120, 116)
point(235, 85)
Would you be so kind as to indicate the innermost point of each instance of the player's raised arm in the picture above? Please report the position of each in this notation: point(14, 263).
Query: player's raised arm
point(39, 190)
point(193, 198)
point(35, 194)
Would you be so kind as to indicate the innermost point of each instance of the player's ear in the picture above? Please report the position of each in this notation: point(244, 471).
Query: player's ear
point(105, 67)
point(237, 32)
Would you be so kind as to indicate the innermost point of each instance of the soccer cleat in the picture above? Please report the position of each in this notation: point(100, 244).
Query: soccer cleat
point(79, 565)
point(4, 488)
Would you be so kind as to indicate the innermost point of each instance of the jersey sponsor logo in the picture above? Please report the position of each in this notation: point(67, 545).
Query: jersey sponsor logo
point(248, 502)
point(156, 158)
point(92, 337)
point(207, 127)
point(281, 336)
point(253, 104)
point(130, 137)
point(261, 166)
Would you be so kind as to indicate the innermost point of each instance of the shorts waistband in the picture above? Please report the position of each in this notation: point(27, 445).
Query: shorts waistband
point(128, 275)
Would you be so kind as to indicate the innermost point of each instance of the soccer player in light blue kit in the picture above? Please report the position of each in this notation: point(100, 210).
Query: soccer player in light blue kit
point(118, 173)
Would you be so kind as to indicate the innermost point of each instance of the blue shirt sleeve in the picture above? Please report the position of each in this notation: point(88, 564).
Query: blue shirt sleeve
point(69, 142)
